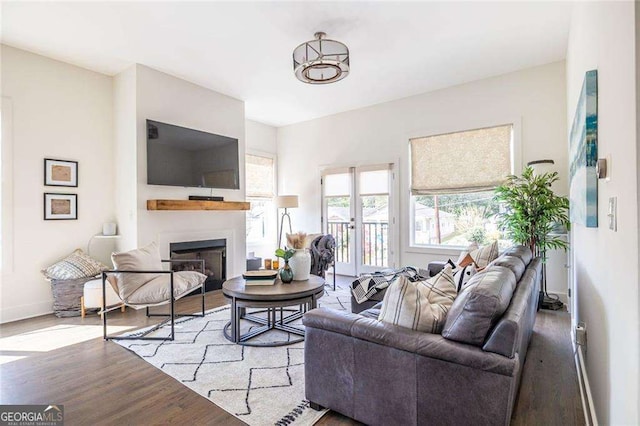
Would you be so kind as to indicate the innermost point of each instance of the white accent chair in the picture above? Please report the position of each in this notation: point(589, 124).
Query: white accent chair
point(140, 282)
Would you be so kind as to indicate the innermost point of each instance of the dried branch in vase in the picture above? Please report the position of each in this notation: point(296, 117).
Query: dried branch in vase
point(297, 240)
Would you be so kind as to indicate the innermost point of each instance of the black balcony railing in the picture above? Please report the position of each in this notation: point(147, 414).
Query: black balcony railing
point(342, 234)
point(375, 242)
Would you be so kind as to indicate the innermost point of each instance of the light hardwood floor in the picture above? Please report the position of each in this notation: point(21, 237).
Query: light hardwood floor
point(65, 361)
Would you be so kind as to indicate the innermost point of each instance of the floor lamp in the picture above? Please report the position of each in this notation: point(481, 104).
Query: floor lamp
point(285, 202)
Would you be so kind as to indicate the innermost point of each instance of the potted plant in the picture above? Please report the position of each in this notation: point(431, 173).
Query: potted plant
point(286, 274)
point(532, 213)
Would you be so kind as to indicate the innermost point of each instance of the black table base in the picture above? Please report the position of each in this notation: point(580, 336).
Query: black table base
point(278, 317)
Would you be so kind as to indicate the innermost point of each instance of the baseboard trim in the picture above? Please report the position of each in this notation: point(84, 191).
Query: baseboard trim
point(31, 310)
point(583, 382)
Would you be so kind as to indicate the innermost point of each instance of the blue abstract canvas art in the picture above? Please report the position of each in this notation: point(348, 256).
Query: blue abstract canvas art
point(583, 155)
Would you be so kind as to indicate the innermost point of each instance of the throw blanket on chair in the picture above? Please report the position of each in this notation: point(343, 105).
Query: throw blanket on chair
point(367, 285)
point(322, 254)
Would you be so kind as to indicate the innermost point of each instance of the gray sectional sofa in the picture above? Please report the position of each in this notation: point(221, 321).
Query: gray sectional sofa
point(381, 374)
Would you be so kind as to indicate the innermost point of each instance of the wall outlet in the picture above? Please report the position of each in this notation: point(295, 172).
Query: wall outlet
point(581, 334)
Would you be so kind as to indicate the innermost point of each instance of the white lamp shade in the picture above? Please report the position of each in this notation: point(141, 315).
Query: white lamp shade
point(286, 201)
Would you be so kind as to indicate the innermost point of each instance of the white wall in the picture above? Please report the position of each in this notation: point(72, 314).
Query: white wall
point(168, 99)
point(125, 153)
point(262, 140)
point(261, 137)
point(534, 99)
point(64, 112)
point(606, 263)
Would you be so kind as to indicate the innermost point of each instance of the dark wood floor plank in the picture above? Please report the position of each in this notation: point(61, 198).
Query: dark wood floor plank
point(103, 383)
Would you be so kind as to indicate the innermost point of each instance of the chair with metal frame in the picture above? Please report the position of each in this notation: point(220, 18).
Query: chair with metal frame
point(171, 301)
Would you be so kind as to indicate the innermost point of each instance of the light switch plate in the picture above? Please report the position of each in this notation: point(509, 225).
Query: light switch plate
point(612, 213)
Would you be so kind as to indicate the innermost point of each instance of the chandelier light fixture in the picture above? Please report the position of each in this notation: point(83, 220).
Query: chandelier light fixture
point(321, 61)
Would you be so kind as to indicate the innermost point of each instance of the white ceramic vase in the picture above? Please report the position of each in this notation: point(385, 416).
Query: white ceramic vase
point(300, 264)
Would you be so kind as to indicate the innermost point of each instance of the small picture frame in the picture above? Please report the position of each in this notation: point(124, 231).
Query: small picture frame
point(60, 173)
point(60, 206)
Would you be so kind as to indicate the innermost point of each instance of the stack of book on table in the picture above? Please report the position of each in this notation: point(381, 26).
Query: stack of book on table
point(262, 277)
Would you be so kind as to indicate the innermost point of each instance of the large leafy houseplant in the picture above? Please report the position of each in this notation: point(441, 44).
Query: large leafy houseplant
point(532, 211)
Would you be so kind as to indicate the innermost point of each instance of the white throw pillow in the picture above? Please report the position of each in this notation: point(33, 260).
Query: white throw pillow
point(419, 305)
point(144, 259)
point(462, 275)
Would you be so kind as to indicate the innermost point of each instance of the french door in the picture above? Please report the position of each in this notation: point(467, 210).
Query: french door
point(357, 209)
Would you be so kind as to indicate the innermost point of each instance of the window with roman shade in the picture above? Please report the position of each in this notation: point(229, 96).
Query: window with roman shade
point(461, 162)
point(260, 192)
point(259, 172)
point(453, 176)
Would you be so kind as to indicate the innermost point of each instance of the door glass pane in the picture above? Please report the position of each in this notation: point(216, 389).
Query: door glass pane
point(375, 230)
point(374, 182)
point(338, 224)
point(337, 185)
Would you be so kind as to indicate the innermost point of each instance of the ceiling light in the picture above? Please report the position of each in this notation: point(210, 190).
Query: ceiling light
point(321, 61)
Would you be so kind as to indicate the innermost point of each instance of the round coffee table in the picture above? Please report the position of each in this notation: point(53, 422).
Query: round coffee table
point(273, 299)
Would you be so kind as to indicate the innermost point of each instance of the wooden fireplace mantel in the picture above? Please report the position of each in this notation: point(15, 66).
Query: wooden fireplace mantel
point(196, 205)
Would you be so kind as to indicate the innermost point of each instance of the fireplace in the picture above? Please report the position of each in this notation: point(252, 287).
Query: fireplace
point(214, 254)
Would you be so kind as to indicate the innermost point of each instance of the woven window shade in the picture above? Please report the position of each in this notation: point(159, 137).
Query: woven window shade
point(469, 161)
point(259, 172)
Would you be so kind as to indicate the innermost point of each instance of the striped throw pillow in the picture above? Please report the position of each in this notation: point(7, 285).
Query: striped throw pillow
point(76, 265)
point(419, 305)
point(485, 255)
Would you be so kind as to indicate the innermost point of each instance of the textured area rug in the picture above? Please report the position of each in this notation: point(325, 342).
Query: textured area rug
point(258, 385)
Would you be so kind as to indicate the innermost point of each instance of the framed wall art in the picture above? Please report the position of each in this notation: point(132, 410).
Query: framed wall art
point(60, 172)
point(60, 206)
point(583, 155)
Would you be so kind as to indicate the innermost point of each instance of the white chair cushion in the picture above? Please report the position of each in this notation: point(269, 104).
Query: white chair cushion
point(156, 291)
point(144, 259)
point(93, 294)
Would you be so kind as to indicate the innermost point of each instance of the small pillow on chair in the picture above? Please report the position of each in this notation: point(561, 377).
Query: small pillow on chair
point(144, 259)
point(419, 305)
point(76, 265)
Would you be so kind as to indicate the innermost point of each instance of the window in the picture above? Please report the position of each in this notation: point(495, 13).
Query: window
point(260, 172)
point(452, 181)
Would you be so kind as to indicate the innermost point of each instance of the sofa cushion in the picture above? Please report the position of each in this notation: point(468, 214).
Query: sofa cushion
point(419, 305)
point(524, 253)
point(479, 306)
point(514, 263)
point(144, 259)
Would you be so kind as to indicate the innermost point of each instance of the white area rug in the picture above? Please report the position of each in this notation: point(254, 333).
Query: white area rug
point(258, 385)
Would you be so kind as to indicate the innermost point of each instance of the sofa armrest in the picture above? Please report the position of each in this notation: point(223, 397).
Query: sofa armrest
point(436, 267)
point(425, 344)
point(331, 320)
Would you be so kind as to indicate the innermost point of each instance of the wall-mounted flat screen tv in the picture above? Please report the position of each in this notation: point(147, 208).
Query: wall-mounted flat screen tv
point(177, 156)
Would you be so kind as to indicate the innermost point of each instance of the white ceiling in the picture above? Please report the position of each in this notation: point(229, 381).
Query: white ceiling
point(243, 49)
